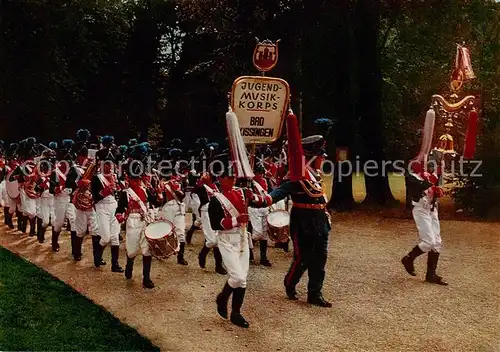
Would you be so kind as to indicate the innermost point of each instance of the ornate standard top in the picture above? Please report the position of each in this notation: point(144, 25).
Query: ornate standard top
point(265, 55)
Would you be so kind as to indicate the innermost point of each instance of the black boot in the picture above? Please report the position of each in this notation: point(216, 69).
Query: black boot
point(20, 218)
point(251, 257)
point(5, 212)
point(180, 255)
point(6, 216)
point(236, 317)
point(73, 243)
point(32, 227)
point(222, 299)
point(189, 234)
point(410, 258)
point(129, 268)
point(55, 241)
point(146, 270)
point(202, 257)
point(431, 276)
point(318, 300)
point(25, 223)
point(77, 252)
point(263, 253)
point(115, 254)
point(8, 219)
point(40, 233)
point(97, 251)
point(218, 262)
point(291, 293)
point(284, 246)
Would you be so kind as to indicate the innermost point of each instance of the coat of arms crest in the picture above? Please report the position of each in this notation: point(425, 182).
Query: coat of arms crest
point(265, 55)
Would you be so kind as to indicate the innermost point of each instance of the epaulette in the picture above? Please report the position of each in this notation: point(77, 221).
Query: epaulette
point(311, 189)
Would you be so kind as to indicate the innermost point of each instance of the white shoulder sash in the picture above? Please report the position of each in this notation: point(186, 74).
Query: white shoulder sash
point(135, 197)
point(103, 180)
point(226, 204)
point(61, 175)
point(259, 188)
point(209, 190)
point(169, 189)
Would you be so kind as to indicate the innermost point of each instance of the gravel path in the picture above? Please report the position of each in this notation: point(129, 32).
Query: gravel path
point(376, 305)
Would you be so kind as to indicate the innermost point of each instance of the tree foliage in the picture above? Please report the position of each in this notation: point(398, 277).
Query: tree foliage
point(135, 67)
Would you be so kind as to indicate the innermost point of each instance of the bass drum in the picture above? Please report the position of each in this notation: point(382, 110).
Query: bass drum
point(161, 238)
point(12, 187)
point(279, 226)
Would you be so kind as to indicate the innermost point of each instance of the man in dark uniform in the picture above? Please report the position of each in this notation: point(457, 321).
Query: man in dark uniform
point(309, 224)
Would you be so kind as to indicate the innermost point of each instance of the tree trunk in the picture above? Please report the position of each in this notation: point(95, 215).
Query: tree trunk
point(142, 72)
point(342, 197)
point(378, 191)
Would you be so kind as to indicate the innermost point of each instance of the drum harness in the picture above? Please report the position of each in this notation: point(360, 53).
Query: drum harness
point(179, 203)
point(144, 209)
point(231, 209)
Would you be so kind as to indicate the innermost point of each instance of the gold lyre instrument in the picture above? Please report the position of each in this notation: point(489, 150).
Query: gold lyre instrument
point(82, 198)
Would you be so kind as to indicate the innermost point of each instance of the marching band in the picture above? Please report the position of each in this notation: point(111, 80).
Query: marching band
point(100, 192)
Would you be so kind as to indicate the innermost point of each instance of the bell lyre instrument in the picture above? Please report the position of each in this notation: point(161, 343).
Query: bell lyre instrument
point(82, 198)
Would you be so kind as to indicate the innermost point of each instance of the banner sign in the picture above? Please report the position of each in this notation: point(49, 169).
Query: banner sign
point(260, 103)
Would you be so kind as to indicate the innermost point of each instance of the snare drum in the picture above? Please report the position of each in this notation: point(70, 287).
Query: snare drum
point(161, 239)
point(279, 226)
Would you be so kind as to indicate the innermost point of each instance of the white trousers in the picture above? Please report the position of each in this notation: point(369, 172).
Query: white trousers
point(429, 231)
point(63, 209)
point(176, 214)
point(28, 205)
point(52, 209)
point(258, 219)
point(43, 208)
point(13, 204)
point(193, 203)
point(8, 201)
point(135, 239)
point(85, 220)
point(3, 194)
point(235, 256)
point(108, 225)
point(208, 232)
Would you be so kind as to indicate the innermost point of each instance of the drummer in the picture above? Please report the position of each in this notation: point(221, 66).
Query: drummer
point(258, 216)
point(275, 173)
point(134, 209)
point(174, 209)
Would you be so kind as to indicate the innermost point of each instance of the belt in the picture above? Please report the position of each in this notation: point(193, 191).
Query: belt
point(309, 206)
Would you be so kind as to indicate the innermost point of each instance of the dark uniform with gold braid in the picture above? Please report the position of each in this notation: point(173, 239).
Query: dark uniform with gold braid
point(309, 227)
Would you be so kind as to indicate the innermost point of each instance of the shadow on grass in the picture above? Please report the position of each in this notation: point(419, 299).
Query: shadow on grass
point(41, 313)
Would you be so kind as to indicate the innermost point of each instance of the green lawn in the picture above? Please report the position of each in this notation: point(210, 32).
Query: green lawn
point(41, 313)
point(396, 182)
